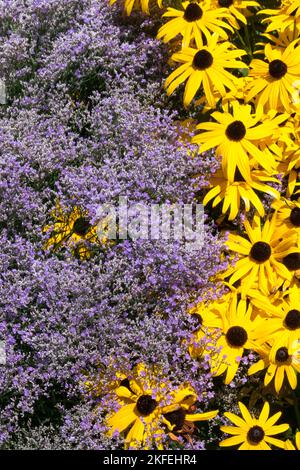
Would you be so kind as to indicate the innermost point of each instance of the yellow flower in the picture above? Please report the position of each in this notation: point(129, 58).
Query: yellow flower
point(233, 191)
point(239, 94)
point(274, 77)
point(286, 17)
point(251, 433)
point(236, 136)
point(283, 364)
point(137, 4)
point(281, 40)
point(283, 325)
point(287, 217)
point(259, 257)
point(205, 67)
point(234, 7)
point(195, 21)
point(238, 332)
point(71, 229)
point(289, 446)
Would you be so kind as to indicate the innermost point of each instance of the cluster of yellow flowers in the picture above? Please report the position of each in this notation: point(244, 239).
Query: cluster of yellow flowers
point(148, 408)
point(253, 126)
point(250, 95)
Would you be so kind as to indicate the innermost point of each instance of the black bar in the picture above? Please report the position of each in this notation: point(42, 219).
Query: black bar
point(139, 459)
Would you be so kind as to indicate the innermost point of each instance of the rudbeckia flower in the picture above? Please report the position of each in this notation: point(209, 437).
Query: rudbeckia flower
point(235, 136)
point(72, 229)
point(259, 257)
point(238, 332)
point(288, 445)
point(236, 8)
point(282, 328)
point(287, 216)
point(251, 433)
point(285, 17)
point(195, 21)
point(278, 367)
point(205, 67)
point(233, 191)
point(274, 77)
point(142, 400)
point(137, 4)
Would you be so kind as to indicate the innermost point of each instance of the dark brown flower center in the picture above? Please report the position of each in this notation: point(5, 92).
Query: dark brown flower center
point(255, 434)
point(295, 216)
point(292, 261)
point(282, 355)
point(176, 418)
point(81, 226)
point(146, 405)
point(236, 131)
point(236, 336)
point(193, 12)
point(292, 320)
point(277, 69)
point(260, 252)
point(225, 3)
point(202, 60)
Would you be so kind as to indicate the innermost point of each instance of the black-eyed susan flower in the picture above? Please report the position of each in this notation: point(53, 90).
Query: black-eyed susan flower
point(237, 333)
point(196, 20)
point(285, 17)
point(235, 136)
point(287, 216)
point(279, 366)
point(288, 445)
point(281, 40)
point(142, 400)
point(71, 228)
point(259, 300)
point(205, 68)
point(274, 77)
point(260, 256)
point(143, 5)
point(252, 433)
point(237, 9)
point(282, 328)
point(233, 191)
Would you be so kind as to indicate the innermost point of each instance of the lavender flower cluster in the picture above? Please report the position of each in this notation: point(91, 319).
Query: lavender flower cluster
point(86, 122)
